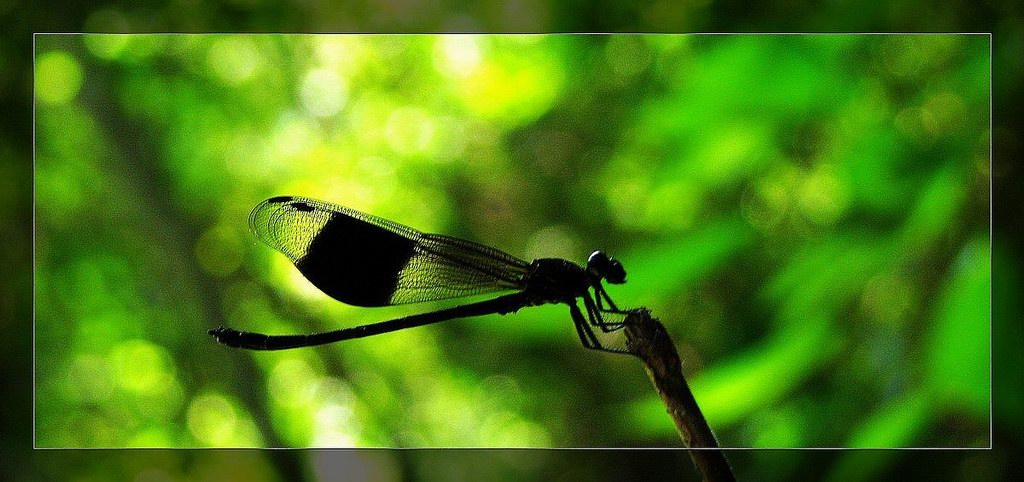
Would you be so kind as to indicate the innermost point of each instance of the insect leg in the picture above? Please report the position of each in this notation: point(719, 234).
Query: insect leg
point(587, 336)
point(599, 294)
point(596, 318)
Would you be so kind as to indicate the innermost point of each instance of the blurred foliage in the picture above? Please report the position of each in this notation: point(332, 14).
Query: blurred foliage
point(807, 214)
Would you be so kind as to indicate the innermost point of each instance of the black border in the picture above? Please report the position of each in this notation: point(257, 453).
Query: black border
point(18, 461)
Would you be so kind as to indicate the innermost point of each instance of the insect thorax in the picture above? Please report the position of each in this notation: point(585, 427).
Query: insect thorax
point(555, 280)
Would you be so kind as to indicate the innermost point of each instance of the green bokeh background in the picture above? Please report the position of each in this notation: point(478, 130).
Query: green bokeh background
point(808, 215)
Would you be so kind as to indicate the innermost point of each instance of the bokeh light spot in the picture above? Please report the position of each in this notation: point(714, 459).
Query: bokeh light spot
point(323, 92)
point(346, 54)
point(291, 383)
point(513, 91)
point(766, 203)
point(823, 197)
point(141, 366)
point(333, 424)
point(106, 46)
point(457, 55)
point(212, 420)
point(627, 201)
point(942, 113)
point(234, 59)
point(294, 136)
point(58, 77)
point(410, 131)
point(554, 241)
point(730, 153)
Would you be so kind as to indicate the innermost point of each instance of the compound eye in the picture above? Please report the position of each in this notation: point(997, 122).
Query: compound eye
point(615, 274)
point(598, 260)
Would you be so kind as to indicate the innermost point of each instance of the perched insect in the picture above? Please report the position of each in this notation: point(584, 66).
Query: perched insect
point(364, 260)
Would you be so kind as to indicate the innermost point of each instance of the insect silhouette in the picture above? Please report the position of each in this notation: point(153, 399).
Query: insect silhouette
point(363, 260)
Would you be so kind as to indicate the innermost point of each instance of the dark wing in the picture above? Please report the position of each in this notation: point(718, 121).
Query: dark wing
point(364, 260)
